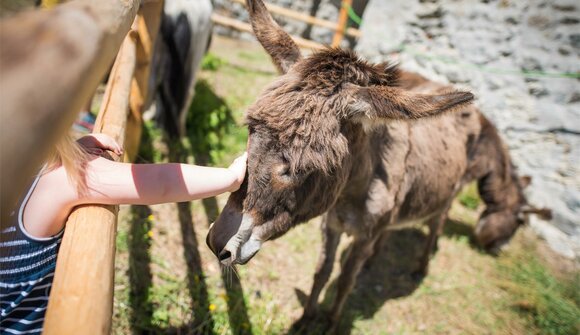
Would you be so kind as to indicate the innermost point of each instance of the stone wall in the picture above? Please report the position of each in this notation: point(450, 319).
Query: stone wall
point(483, 45)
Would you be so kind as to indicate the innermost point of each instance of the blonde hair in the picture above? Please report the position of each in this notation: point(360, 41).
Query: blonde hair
point(73, 157)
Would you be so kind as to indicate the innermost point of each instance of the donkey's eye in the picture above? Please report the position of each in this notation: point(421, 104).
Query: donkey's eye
point(282, 170)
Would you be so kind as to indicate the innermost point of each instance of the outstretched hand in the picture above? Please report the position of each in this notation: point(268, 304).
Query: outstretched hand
point(238, 169)
point(96, 144)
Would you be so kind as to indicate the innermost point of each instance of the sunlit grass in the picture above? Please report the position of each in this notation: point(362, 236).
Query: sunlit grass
point(551, 304)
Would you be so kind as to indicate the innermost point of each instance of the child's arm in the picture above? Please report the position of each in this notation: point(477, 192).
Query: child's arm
point(146, 184)
point(111, 182)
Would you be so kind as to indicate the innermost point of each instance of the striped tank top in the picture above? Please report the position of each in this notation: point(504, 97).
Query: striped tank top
point(27, 267)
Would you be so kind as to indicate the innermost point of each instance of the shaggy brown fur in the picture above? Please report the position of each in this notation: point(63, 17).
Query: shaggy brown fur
point(337, 135)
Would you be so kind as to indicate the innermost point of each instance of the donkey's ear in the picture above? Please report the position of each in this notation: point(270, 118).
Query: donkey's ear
point(399, 104)
point(277, 42)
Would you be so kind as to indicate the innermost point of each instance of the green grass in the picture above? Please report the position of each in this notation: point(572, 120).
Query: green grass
point(469, 197)
point(551, 304)
point(211, 62)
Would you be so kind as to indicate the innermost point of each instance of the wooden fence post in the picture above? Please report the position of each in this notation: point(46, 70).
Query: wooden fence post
point(342, 21)
point(147, 25)
point(307, 18)
point(242, 26)
point(81, 300)
point(51, 63)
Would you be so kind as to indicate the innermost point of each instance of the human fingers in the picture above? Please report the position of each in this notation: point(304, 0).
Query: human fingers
point(106, 142)
point(238, 167)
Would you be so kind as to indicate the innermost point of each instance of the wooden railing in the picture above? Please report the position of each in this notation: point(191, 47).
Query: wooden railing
point(51, 63)
point(340, 28)
point(81, 300)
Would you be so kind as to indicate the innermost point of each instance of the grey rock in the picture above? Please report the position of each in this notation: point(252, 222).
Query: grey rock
point(531, 64)
point(575, 40)
point(574, 97)
point(569, 20)
point(564, 50)
point(565, 6)
point(537, 89)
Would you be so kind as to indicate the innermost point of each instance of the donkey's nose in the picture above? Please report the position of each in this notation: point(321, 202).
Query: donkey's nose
point(224, 255)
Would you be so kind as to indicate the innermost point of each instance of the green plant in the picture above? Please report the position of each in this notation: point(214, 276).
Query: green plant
point(469, 197)
point(209, 122)
point(211, 62)
point(551, 304)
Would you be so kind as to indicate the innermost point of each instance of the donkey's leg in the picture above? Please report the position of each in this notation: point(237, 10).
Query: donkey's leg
point(361, 249)
point(330, 239)
point(379, 245)
point(435, 225)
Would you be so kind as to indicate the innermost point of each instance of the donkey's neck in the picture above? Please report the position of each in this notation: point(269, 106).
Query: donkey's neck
point(373, 150)
point(497, 182)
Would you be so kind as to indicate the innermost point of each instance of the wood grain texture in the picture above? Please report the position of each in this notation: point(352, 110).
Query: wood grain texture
point(147, 26)
point(51, 62)
point(81, 301)
point(292, 14)
point(342, 21)
point(242, 26)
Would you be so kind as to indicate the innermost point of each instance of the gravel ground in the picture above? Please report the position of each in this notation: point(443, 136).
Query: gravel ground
point(485, 45)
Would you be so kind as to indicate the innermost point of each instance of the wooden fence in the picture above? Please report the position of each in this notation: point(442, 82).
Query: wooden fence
point(51, 63)
point(340, 28)
point(52, 67)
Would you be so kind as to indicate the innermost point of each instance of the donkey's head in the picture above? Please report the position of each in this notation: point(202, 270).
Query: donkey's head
point(496, 227)
point(301, 131)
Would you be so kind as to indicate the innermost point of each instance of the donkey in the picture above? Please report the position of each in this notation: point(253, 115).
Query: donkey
point(340, 136)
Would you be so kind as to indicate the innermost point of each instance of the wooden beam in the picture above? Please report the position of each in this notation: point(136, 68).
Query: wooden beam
point(306, 18)
point(242, 26)
point(342, 21)
point(147, 26)
point(51, 63)
point(81, 300)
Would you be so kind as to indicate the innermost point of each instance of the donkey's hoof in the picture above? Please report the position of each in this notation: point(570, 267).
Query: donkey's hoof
point(314, 324)
point(303, 325)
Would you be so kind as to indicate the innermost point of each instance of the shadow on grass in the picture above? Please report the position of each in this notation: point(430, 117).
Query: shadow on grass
point(389, 274)
point(202, 319)
point(140, 275)
point(141, 279)
point(210, 119)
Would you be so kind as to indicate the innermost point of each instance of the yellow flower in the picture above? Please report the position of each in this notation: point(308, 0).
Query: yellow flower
point(212, 307)
point(150, 234)
point(150, 218)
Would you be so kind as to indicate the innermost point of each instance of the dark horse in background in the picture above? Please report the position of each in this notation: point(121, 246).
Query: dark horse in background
point(183, 40)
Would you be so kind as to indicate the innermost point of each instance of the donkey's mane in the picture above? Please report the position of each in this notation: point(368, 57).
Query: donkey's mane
point(331, 67)
point(301, 107)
